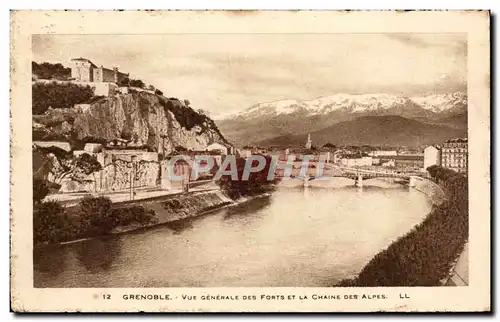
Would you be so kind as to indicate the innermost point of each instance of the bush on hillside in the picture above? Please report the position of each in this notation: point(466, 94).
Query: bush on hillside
point(188, 117)
point(125, 82)
point(56, 95)
point(137, 83)
point(50, 71)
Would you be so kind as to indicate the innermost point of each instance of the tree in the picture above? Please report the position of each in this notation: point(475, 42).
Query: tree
point(49, 223)
point(40, 190)
point(187, 103)
point(125, 82)
point(50, 71)
point(433, 169)
point(126, 135)
point(329, 145)
point(63, 165)
point(257, 181)
point(151, 88)
point(55, 95)
point(87, 164)
point(180, 148)
point(158, 92)
point(95, 215)
point(137, 83)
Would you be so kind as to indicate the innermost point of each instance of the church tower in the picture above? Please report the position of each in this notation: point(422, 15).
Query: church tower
point(308, 143)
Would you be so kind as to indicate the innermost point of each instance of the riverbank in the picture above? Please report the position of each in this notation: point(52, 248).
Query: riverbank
point(163, 211)
point(196, 205)
point(180, 207)
point(426, 255)
point(434, 192)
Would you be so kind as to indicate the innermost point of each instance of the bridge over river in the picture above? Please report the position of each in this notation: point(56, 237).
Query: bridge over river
point(357, 174)
point(363, 174)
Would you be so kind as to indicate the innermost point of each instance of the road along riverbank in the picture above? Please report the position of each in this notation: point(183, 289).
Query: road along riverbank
point(430, 189)
point(425, 255)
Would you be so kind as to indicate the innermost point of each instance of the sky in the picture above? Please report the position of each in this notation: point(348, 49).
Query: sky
point(226, 73)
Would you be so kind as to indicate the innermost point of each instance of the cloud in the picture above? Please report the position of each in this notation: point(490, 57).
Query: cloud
point(456, 42)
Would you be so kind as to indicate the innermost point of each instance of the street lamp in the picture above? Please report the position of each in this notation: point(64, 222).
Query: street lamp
point(132, 176)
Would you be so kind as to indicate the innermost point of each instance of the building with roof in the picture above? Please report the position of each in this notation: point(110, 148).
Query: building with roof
point(432, 156)
point(408, 162)
point(245, 153)
point(221, 148)
point(356, 161)
point(380, 153)
point(454, 155)
point(83, 70)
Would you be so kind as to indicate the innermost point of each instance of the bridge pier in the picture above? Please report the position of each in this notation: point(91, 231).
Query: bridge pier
point(359, 181)
point(306, 181)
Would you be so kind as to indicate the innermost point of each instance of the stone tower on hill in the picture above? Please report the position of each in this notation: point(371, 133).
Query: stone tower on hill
point(83, 70)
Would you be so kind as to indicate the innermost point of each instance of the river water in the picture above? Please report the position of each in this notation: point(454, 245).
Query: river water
point(295, 237)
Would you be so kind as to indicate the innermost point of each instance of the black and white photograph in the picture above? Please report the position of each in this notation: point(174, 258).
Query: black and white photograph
point(329, 160)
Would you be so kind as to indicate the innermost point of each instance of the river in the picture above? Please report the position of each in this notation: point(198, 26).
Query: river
point(295, 237)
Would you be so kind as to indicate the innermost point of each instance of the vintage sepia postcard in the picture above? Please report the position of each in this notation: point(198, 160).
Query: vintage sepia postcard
point(250, 161)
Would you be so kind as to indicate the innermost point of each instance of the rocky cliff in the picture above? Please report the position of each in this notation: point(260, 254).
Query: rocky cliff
point(145, 119)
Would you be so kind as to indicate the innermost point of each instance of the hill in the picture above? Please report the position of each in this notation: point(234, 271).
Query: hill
point(144, 119)
point(388, 130)
point(458, 121)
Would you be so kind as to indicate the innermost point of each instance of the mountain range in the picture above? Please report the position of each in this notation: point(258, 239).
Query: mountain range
point(379, 119)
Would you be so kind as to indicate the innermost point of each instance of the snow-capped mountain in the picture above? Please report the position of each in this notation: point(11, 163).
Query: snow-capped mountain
point(290, 117)
point(363, 103)
point(444, 103)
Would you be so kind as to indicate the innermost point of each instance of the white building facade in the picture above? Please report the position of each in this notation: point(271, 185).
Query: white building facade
point(217, 147)
point(383, 153)
point(432, 156)
point(356, 162)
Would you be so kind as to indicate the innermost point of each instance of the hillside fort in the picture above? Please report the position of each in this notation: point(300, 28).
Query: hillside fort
point(83, 70)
